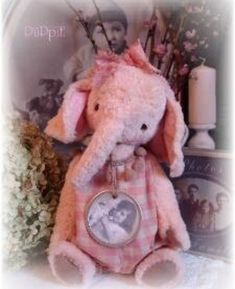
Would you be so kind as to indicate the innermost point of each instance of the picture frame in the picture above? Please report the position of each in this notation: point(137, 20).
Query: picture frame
point(113, 221)
point(43, 44)
point(204, 194)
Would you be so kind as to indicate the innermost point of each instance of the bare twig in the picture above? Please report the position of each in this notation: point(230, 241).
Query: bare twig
point(84, 24)
point(102, 25)
point(175, 42)
point(147, 39)
point(163, 42)
point(151, 34)
point(151, 30)
point(152, 44)
point(150, 37)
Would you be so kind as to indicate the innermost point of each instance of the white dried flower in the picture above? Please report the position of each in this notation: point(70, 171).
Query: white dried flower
point(27, 217)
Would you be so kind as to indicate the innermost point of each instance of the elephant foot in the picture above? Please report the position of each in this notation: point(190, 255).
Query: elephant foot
point(70, 265)
point(161, 269)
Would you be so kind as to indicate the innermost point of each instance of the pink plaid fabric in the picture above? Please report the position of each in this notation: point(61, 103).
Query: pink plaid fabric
point(124, 259)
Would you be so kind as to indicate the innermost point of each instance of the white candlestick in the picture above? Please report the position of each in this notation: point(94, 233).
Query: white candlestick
point(202, 97)
point(202, 106)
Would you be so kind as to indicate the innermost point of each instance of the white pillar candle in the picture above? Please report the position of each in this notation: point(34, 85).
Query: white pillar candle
point(202, 96)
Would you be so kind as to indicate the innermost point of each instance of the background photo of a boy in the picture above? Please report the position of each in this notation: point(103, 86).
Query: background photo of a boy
point(116, 25)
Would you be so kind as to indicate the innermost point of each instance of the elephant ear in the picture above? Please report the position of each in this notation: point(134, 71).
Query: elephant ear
point(170, 137)
point(136, 56)
point(70, 123)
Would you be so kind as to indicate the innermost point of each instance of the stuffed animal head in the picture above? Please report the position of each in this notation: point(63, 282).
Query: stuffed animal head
point(127, 103)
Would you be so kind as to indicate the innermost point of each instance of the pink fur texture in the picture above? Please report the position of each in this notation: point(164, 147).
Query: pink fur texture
point(166, 143)
point(126, 103)
point(70, 121)
point(71, 265)
point(156, 259)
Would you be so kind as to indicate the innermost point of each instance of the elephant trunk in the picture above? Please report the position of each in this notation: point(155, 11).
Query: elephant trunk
point(101, 146)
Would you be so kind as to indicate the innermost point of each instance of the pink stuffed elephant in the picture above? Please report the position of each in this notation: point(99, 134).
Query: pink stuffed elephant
point(127, 104)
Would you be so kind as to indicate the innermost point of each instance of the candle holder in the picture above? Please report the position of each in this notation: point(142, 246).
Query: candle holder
point(201, 138)
point(202, 105)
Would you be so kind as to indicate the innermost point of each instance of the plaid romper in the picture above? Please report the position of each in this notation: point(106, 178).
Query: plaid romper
point(122, 259)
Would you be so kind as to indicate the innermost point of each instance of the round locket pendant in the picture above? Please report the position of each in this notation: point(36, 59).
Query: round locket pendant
point(113, 221)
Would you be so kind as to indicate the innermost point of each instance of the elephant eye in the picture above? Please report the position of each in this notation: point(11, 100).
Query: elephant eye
point(97, 106)
point(144, 126)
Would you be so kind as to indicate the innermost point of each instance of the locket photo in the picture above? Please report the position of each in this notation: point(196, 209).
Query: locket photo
point(113, 221)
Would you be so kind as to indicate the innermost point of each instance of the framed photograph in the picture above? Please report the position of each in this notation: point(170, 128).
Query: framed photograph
point(113, 221)
point(204, 194)
point(46, 49)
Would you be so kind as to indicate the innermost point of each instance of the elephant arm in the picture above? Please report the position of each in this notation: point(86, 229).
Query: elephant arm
point(64, 228)
point(172, 229)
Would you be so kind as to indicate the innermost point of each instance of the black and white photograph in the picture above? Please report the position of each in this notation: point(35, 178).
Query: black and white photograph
point(204, 195)
point(52, 49)
point(42, 108)
point(113, 221)
point(203, 213)
point(110, 34)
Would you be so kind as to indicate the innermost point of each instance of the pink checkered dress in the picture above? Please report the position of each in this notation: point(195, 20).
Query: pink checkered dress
point(124, 259)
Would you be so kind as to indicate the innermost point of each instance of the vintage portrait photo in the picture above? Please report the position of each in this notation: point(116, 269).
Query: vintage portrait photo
point(111, 35)
point(42, 108)
point(204, 195)
point(50, 53)
point(60, 46)
point(205, 205)
point(113, 221)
